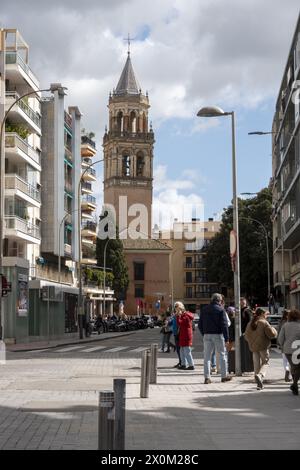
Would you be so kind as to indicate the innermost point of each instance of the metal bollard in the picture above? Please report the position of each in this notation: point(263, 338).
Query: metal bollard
point(145, 374)
point(120, 403)
point(106, 421)
point(153, 373)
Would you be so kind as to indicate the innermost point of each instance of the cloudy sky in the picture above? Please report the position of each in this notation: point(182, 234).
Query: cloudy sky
point(186, 53)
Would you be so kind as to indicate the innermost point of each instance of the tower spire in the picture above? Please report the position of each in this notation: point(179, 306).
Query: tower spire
point(128, 42)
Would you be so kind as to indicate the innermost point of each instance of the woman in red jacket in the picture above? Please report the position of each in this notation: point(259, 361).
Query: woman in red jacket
point(185, 323)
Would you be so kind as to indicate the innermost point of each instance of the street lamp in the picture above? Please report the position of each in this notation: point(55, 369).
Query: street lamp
point(214, 111)
point(54, 87)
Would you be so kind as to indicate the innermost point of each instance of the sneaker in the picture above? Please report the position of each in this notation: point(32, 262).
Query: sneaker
point(182, 367)
point(287, 376)
point(177, 365)
point(190, 368)
point(294, 388)
point(226, 379)
point(259, 382)
point(207, 381)
point(214, 369)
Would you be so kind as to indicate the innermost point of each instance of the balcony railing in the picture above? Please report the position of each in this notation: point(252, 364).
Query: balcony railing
point(86, 186)
point(86, 140)
point(13, 222)
point(13, 140)
point(15, 58)
point(35, 117)
point(131, 135)
point(17, 183)
point(48, 273)
point(89, 199)
point(90, 171)
point(88, 225)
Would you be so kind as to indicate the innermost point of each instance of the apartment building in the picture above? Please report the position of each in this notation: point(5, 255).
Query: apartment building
point(20, 179)
point(286, 181)
point(188, 264)
point(93, 288)
point(53, 285)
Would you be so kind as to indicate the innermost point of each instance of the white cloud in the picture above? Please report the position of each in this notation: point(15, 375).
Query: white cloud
point(187, 54)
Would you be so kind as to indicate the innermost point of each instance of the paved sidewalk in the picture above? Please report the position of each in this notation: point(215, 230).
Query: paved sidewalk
point(50, 402)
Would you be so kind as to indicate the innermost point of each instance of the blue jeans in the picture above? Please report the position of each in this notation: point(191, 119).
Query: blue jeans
point(216, 342)
point(186, 356)
point(213, 359)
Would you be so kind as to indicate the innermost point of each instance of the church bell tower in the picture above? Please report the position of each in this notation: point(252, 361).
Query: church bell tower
point(128, 148)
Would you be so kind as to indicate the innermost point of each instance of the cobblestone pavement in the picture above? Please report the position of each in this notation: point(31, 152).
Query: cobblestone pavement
point(48, 400)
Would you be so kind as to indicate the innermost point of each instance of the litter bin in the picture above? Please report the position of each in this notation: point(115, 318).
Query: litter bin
point(246, 358)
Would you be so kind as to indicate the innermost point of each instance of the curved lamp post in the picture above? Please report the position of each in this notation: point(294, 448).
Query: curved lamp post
point(214, 111)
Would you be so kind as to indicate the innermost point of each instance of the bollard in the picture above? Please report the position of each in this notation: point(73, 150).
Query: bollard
point(153, 373)
point(120, 403)
point(145, 374)
point(106, 420)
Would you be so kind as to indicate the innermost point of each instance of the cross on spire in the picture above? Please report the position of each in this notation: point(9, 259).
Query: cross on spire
point(128, 41)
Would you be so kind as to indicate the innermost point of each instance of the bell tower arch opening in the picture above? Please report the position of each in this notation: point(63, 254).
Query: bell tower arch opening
point(133, 122)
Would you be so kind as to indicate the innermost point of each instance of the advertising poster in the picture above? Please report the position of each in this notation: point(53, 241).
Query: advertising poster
point(22, 300)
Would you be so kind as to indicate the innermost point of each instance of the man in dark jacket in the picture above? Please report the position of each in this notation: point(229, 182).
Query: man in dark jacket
point(213, 325)
point(246, 314)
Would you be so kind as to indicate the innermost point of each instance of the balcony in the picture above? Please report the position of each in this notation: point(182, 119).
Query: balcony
point(89, 228)
point(142, 136)
point(89, 174)
point(18, 150)
point(86, 162)
point(16, 227)
point(22, 112)
point(86, 188)
point(68, 186)
point(48, 273)
point(85, 140)
point(88, 200)
point(16, 186)
point(68, 121)
point(17, 71)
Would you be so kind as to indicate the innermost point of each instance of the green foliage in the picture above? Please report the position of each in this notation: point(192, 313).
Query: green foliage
point(97, 276)
point(253, 253)
point(115, 259)
point(18, 129)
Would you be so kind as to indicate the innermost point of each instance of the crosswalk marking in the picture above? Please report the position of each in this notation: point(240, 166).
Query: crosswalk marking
point(95, 348)
point(120, 348)
point(72, 348)
point(139, 349)
point(37, 350)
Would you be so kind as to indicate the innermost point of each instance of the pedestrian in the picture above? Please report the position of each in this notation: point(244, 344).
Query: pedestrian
point(258, 334)
point(175, 330)
point(213, 326)
point(289, 340)
point(185, 323)
point(167, 332)
point(231, 326)
point(286, 365)
point(246, 314)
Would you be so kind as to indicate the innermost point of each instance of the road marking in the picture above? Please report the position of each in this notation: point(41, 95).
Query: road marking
point(37, 350)
point(120, 348)
point(95, 348)
point(139, 349)
point(72, 348)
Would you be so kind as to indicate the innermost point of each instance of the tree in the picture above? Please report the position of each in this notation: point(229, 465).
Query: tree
point(253, 251)
point(115, 260)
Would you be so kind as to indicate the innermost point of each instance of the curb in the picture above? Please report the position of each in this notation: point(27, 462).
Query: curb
point(83, 341)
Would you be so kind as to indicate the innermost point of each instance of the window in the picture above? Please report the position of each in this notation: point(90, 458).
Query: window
point(126, 165)
point(139, 291)
point(188, 277)
point(188, 262)
point(139, 271)
point(189, 292)
point(140, 163)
